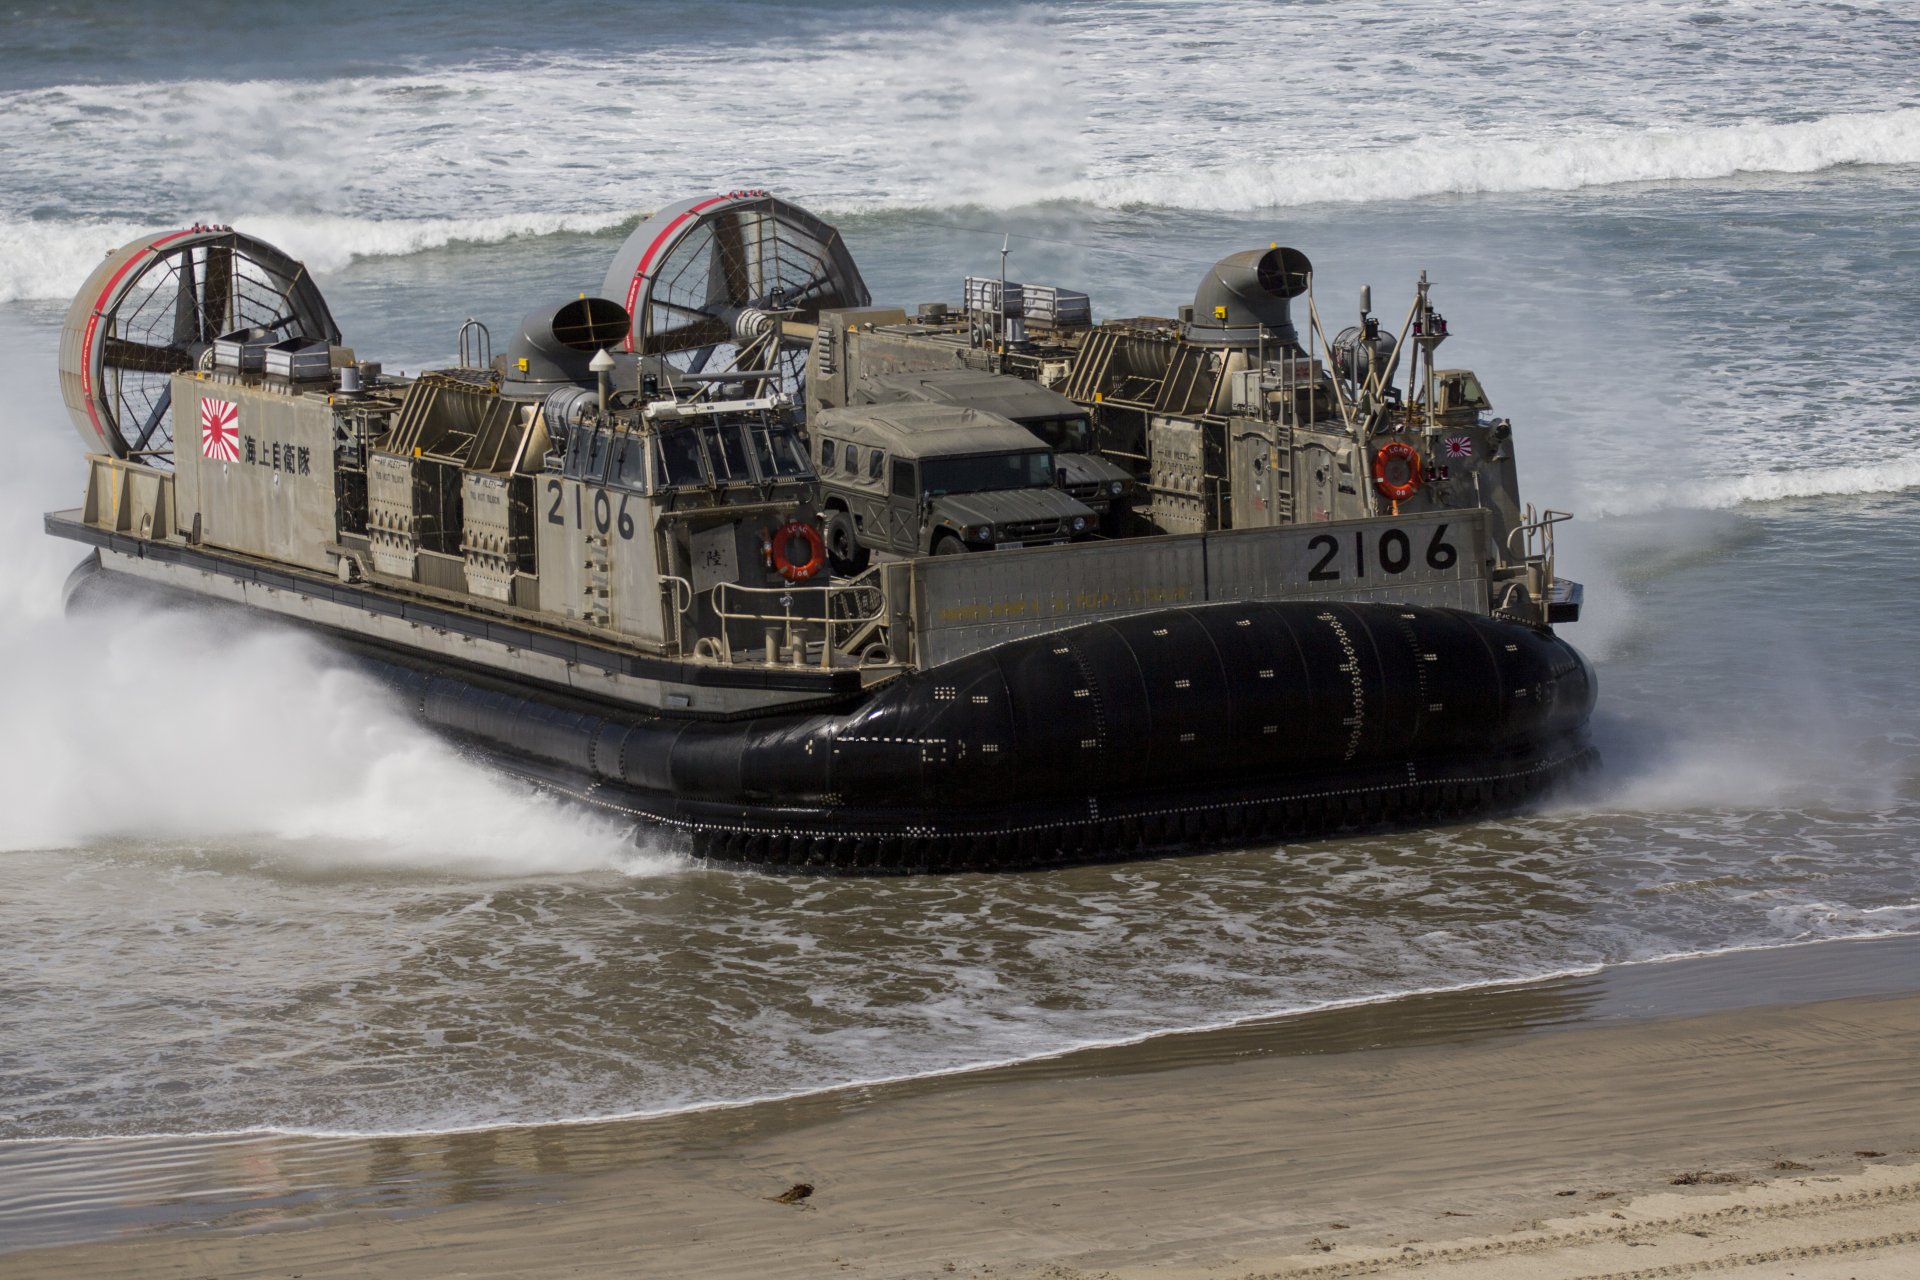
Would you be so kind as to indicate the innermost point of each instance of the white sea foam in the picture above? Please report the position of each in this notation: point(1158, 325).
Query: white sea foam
point(1164, 105)
point(186, 727)
point(1559, 160)
point(50, 259)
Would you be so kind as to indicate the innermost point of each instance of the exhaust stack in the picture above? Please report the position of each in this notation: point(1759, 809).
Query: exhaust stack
point(1244, 299)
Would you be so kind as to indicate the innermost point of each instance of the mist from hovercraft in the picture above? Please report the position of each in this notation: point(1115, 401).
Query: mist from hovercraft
point(188, 731)
point(245, 892)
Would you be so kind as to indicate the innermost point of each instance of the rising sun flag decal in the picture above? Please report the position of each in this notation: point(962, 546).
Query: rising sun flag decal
point(219, 429)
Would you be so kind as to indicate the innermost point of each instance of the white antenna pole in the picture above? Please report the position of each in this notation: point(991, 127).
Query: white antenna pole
point(1000, 347)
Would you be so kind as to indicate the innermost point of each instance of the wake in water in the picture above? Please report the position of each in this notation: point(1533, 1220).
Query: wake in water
point(183, 727)
point(192, 727)
point(1722, 493)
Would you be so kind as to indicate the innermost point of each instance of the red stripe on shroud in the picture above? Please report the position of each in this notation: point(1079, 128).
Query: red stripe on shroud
point(640, 269)
point(93, 325)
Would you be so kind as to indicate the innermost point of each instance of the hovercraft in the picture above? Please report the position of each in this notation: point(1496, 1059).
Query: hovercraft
point(727, 548)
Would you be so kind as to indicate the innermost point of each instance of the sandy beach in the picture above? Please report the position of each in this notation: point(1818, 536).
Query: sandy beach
point(1532, 1132)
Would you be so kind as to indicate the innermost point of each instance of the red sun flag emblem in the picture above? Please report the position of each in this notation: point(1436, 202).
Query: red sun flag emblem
point(219, 429)
point(1459, 446)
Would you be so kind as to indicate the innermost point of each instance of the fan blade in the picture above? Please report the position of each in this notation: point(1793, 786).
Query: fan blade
point(730, 256)
point(154, 419)
point(705, 332)
point(217, 297)
point(701, 312)
point(138, 357)
point(186, 302)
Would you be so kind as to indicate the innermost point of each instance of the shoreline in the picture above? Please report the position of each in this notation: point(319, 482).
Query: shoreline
point(1226, 1151)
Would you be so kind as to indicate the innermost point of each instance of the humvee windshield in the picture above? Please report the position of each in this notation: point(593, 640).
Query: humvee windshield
point(986, 472)
point(1068, 435)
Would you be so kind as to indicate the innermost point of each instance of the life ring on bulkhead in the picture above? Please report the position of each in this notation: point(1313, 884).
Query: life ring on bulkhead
point(1396, 470)
point(782, 555)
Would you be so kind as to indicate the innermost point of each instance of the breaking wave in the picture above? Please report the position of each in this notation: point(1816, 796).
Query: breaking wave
point(1562, 162)
point(49, 260)
point(1159, 105)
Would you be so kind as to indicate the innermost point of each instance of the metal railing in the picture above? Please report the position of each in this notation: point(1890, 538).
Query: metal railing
point(1530, 543)
point(475, 345)
point(841, 623)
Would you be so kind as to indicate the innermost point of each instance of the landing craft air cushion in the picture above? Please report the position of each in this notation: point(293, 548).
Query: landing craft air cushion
point(727, 548)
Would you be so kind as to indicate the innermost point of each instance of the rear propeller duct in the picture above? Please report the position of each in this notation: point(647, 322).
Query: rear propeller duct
point(152, 307)
point(711, 282)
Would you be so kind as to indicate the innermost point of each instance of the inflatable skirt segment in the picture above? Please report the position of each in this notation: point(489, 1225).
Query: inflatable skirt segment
point(1225, 723)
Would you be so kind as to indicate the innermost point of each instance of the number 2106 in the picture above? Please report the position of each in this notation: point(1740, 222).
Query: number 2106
point(605, 515)
point(1391, 549)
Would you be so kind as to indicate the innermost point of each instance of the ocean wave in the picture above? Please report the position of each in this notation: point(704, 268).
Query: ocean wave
point(50, 259)
point(1562, 161)
point(915, 113)
point(47, 259)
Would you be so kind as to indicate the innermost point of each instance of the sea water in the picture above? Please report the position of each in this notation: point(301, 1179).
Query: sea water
point(241, 891)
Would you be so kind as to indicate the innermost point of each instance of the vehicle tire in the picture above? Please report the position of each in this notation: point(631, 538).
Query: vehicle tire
point(844, 553)
point(947, 544)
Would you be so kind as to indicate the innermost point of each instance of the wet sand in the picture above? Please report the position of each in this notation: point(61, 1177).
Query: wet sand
point(1533, 1132)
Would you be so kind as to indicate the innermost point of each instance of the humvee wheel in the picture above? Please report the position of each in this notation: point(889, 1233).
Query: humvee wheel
point(844, 552)
point(947, 544)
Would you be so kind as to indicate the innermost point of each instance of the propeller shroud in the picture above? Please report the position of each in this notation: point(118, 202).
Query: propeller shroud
point(712, 282)
point(150, 310)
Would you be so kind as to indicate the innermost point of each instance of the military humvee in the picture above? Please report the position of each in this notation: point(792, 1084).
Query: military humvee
point(1105, 486)
point(918, 479)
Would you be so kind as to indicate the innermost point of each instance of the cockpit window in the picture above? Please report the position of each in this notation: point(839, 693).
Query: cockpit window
point(587, 449)
point(677, 455)
point(778, 454)
point(627, 467)
point(727, 454)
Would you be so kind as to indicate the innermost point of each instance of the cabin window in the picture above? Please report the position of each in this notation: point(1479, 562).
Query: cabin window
point(852, 459)
point(777, 453)
point(586, 454)
point(826, 455)
point(904, 485)
point(874, 465)
point(629, 469)
point(595, 465)
point(617, 462)
point(677, 455)
point(727, 455)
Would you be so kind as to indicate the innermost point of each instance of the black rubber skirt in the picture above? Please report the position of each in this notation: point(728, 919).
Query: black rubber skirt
point(1180, 729)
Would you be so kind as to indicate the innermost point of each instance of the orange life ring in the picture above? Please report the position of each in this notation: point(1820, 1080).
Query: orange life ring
point(780, 552)
point(1397, 451)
